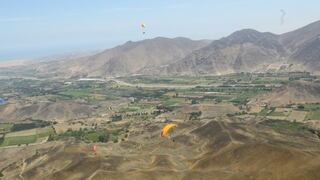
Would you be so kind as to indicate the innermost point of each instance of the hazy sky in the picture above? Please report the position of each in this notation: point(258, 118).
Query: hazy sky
point(33, 28)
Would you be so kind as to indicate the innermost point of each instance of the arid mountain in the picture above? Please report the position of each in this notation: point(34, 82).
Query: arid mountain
point(130, 58)
point(243, 51)
point(249, 51)
point(294, 40)
point(304, 45)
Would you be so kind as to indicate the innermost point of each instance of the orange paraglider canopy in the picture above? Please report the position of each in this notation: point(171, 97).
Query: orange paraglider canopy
point(166, 129)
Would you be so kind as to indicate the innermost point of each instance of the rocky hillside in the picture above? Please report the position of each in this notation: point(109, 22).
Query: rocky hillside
point(200, 150)
point(252, 51)
point(243, 51)
point(129, 58)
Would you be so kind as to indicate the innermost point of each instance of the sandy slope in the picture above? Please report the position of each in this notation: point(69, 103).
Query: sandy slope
point(201, 150)
point(295, 92)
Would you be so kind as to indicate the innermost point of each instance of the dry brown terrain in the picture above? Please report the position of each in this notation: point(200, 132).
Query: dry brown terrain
point(293, 93)
point(40, 107)
point(62, 110)
point(209, 110)
point(201, 150)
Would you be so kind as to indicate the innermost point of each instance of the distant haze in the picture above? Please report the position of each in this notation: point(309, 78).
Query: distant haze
point(36, 28)
point(33, 53)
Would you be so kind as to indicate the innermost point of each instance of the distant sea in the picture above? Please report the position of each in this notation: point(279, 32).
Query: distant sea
point(26, 54)
point(7, 54)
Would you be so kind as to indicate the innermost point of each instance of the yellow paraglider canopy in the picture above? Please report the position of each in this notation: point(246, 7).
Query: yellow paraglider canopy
point(166, 129)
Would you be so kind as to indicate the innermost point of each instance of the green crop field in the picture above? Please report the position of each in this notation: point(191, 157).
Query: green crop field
point(293, 126)
point(314, 115)
point(44, 132)
point(76, 93)
point(129, 109)
point(311, 107)
point(5, 126)
point(172, 101)
point(185, 80)
point(28, 132)
point(17, 140)
point(92, 136)
point(26, 136)
point(263, 112)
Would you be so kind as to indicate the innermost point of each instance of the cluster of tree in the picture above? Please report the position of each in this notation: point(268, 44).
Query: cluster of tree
point(240, 113)
point(300, 107)
point(194, 101)
point(137, 114)
point(31, 125)
point(83, 134)
point(234, 89)
point(195, 115)
point(1, 139)
point(165, 109)
point(157, 112)
point(103, 137)
point(116, 117)
point(141, 94)
point(301, 75)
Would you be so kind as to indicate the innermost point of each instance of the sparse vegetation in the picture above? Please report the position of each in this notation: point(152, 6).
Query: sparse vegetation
point(18, 140)
point(5, 127)
point(88, 136)
point(75, 93)
point(314, 115)
point(115, 106)
point(194, 101)
point(116, 117)
point(26, 136)
point(264, 112)
point(293, 126)
point(32, 125)
point(172, 101)
point(195, 115)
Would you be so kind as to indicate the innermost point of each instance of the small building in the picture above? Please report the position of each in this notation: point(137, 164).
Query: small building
point(67, 83)
point(131, 99)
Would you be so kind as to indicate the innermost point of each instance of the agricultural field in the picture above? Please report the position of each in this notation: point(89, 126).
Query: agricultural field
point(76, 93)
point(96, 105)
point(285, 125)
point(5, 127)
point(123, 118)
point(18, 140)
point(313, 115)
point(26, 136)
point(297, 116)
